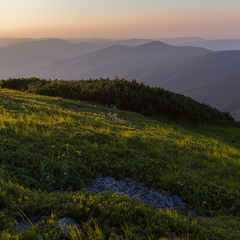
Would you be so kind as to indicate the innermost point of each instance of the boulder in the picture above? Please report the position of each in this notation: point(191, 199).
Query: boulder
point(67, 223)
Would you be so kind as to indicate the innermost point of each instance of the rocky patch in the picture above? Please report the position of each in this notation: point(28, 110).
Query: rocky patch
point(159, 199)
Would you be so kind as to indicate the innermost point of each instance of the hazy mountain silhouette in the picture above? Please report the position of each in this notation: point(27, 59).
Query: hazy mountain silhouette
point(119, 61)
point(21, 57)
point(130, 42)
point(209, 77)
point(222, 93)
point(187, 41)
point(24, 58)
point(213, 78)
point(4, 42)
point(215, 45)
point(184, 74)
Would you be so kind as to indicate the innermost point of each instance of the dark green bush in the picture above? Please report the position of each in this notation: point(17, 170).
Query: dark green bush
point(126, 95)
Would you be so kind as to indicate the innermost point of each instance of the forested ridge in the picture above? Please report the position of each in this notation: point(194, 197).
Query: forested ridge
point(127, 95)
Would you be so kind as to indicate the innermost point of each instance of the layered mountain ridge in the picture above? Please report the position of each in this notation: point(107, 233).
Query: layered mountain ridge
point(182, 69)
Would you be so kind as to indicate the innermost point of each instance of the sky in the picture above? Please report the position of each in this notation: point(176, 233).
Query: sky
point(120, 18)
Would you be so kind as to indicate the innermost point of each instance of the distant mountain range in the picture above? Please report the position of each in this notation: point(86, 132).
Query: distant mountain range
point(213, 78)
point(97, 44)
point(180, 75)
point(214, 45)
point(222, 93)
point(119, 61)
point(207, 76)
point(23, 57)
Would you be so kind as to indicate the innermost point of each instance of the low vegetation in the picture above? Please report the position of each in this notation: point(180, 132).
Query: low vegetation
point(125, 95)
point(50, 143)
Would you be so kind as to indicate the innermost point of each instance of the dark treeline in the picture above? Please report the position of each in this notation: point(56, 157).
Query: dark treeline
point(127, 95)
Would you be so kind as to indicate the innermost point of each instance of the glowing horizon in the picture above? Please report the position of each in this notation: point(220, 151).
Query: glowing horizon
point(122, 19)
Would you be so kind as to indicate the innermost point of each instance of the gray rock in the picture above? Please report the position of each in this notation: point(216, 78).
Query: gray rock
point(133, 189)
point(27, 223)
point(160, 199)
point(67, 223)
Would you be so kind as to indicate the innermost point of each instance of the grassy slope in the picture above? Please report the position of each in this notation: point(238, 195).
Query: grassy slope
point(51, 143)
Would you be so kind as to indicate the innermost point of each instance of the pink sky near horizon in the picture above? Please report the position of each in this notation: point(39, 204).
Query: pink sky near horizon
point(128, 19)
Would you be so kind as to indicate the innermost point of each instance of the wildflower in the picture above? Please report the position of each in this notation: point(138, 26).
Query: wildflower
point(181, 184)
point(53, 146)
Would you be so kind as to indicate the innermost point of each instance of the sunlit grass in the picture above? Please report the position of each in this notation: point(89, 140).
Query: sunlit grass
point(52, 144)
point(28, 117)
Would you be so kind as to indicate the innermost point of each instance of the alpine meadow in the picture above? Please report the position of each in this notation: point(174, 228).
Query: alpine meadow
point(119, 120)
point(51, 147)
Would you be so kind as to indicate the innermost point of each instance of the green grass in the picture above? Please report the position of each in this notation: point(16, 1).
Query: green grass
point(48, 144)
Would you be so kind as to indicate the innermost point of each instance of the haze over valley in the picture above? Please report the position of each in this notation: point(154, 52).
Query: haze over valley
point(201, 73)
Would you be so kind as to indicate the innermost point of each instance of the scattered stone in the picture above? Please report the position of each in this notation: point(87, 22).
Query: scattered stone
point(67, 223)
point(193, 214)
point(133, 189)
point(111, 106)
point(62, 191)
point(27, 223)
